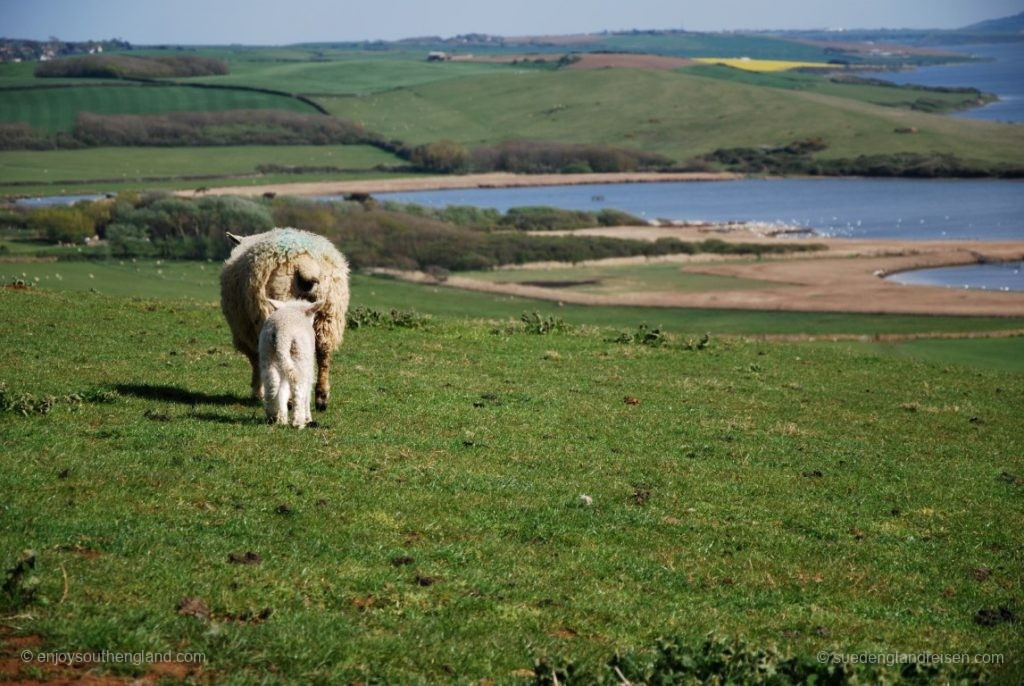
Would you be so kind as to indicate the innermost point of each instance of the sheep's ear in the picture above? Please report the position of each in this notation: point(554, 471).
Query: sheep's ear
point(313, 308)
point(275, 304)
point(233, 238)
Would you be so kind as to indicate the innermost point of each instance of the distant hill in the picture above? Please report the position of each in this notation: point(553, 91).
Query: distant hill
point(1013, 24)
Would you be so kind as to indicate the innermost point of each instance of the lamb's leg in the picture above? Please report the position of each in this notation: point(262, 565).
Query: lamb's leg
point(283, 393)
point(272, 382)
point(257, 382)
point(323, 378)
point(301, 414)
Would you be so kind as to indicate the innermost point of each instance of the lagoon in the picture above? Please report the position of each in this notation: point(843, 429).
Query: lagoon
point(907, 209)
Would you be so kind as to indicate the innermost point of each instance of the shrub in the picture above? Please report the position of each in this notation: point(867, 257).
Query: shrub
point(546, 219)
point(536, 323)
point(129, 240)
point(538, 157)
point(644, 335)
point(62, 224)
point(443, 157)
point(19, 136)
point(121, 66)
point(230, 127)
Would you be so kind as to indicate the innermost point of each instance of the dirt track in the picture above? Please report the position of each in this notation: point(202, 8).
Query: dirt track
point(428, 183)
point(844, 278)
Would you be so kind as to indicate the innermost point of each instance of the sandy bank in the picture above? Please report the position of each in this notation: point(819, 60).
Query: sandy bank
point(449, 182)
point(846, 277)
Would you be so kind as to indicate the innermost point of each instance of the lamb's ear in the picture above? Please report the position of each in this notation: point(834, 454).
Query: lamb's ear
point(275, 304)
point(233, 238)
point(313, 308)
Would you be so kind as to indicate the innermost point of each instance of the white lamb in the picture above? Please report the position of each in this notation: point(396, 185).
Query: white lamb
point(287, 349)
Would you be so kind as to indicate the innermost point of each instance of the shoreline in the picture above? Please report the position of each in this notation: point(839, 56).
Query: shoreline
point(456, 182)
point(847, 277)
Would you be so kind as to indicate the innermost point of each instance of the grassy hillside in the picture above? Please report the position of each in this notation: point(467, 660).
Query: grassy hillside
point(233, 163)
point(348, 76)
point(430, 528)
point(931, 100)
point(198, 281)
point(54, 109)
point(674, 113)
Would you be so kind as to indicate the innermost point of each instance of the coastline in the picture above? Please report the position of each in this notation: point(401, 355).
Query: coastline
point(848, 276)
point(452, 182)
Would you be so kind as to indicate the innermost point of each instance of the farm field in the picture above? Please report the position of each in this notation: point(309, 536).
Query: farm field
point(359, 75)
point(54, 109)
point(678, 114)
point(863, 92)
point(784, 494)
point(747, 64)
point(20, 169)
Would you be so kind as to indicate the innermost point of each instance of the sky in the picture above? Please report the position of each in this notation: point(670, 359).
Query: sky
point(263, 22)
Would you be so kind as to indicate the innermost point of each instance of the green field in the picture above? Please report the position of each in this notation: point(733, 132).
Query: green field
point(813, 83)
point(430, 529)
point(21, 169)
point(673, 113)
point(54, 109)
point(198, 281)
point(350, 76)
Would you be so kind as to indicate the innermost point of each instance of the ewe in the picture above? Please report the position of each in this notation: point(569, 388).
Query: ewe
point(287, 353)
point(285, 264)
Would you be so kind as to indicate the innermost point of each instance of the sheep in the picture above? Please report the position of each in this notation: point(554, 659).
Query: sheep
point(287, 353)
point(285, 264)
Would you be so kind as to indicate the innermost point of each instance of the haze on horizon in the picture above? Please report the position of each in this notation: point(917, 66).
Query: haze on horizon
point(260, 22)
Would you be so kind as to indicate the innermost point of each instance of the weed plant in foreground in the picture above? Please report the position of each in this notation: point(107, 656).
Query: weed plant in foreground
point(430, 529)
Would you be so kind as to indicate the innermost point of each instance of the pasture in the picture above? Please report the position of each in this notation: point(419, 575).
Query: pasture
point(675, 113)
point(54, 109)
point(873, 93)
point(359, 75)
point(107, 169)
point(198, 281)
point(430, 529)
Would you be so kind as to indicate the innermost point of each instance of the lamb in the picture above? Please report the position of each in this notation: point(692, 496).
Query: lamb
point(285, 264)
point(287, 353)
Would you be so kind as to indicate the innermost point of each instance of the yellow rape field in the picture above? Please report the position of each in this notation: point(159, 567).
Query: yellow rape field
point(762, 65)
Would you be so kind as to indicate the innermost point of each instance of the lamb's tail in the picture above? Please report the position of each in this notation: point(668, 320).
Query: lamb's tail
point(285, 347)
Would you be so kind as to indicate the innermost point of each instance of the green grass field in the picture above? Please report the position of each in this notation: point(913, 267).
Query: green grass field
point(674, 113)
point(20, 170)
point(54, 109)
point(198, 281)
point(813, 83)
point(349, 76)
point(430, 530)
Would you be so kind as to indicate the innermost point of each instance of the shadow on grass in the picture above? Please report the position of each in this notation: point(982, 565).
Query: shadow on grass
point(174, 394)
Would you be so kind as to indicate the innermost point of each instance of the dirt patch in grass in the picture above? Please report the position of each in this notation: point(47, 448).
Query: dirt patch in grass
point(559, 284)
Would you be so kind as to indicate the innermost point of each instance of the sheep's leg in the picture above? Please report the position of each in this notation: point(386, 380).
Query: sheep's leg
point(323, 378)
point(257, 381)
point(300, 411)
point(272, 382)
point(283, 393)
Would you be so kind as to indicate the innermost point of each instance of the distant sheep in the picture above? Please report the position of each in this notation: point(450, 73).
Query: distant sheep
point(287, 357)
point(285, 264)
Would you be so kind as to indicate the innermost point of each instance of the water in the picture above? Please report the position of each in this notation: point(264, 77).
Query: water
point(1004, 76)
point(1005, 276)
point(982, 209)
point(51, 200)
